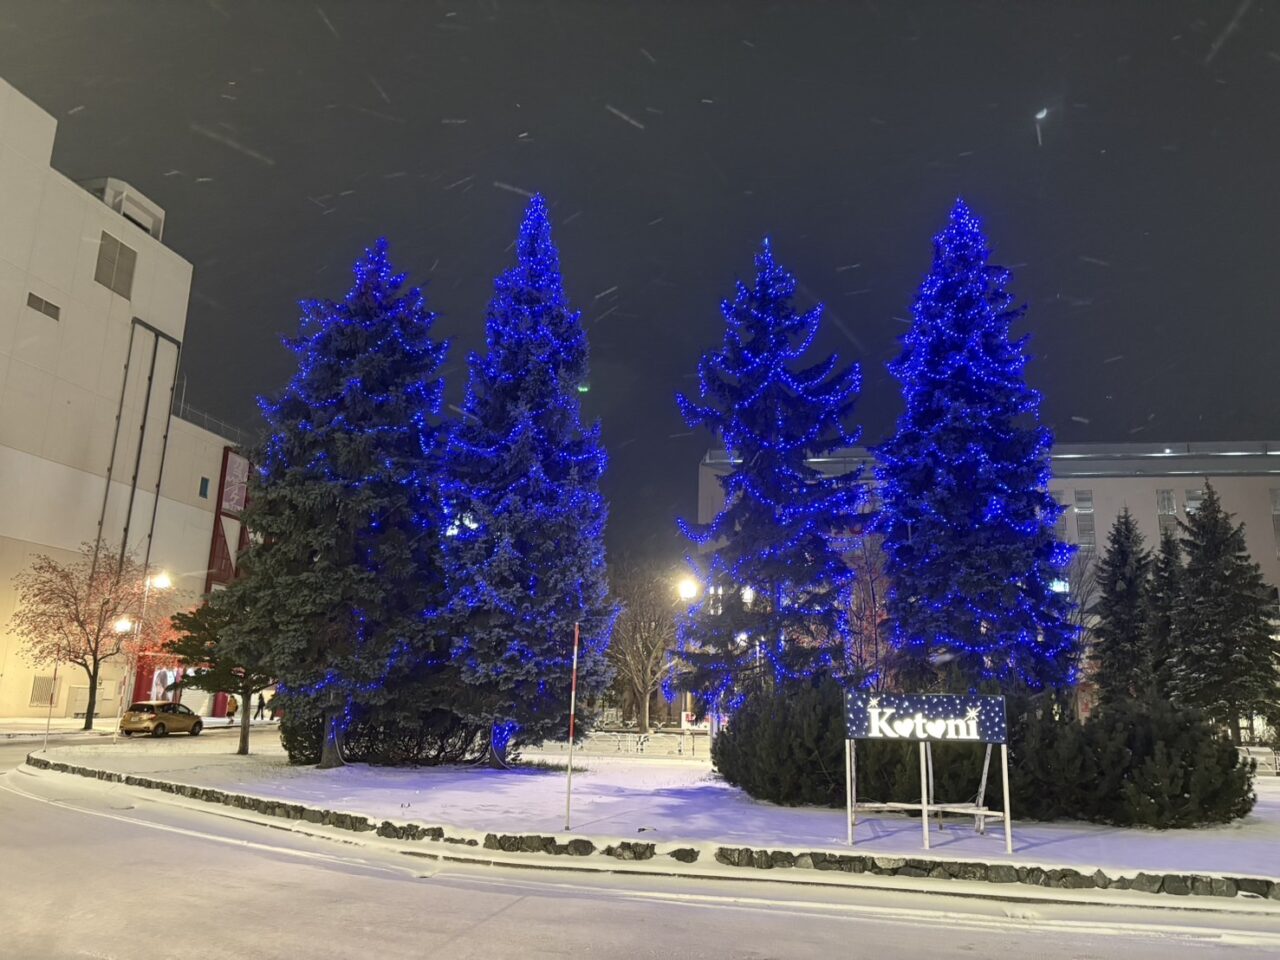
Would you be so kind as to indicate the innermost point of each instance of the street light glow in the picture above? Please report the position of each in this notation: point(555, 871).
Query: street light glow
point(688, 588)
point(122, 625)
point(161, 581)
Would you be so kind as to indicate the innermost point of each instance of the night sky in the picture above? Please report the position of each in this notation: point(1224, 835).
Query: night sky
point(282, 137)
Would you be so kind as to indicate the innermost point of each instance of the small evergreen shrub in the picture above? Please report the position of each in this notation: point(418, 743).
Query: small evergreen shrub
point(427, 739)
point(1130, 764)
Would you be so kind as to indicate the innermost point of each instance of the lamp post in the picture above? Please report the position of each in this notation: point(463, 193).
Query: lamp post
point(161, 581)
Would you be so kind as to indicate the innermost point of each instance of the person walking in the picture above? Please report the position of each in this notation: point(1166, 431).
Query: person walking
point(232, 706)
point(262, 707)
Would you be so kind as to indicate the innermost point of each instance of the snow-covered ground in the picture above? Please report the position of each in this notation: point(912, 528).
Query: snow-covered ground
point(671, 801)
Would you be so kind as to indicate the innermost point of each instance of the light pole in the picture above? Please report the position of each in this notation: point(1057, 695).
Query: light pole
point(161, 581)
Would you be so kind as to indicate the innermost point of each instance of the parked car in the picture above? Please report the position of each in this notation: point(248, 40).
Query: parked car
point(160, 718)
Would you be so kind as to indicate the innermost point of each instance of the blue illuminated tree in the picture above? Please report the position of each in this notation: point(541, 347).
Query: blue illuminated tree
point(968, 525)
point(776, 591)
point(344, 506)
point(525, 542)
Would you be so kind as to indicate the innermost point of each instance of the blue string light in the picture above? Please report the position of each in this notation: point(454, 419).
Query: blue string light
point(968, 525)
point(525, 519)
point(776, 590)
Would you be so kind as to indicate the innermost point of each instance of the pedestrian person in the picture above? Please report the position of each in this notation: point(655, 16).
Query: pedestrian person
point(262, 706)
point(232, 706)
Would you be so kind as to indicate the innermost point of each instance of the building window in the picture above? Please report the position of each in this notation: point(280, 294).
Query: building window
point(42, 691)
point(1167, 511)
point(50, 310)
point(1194, 499)
point(116, 263)
point(204, 488)
point(1275, 516)
point(1059, 525)
point(1085, 535)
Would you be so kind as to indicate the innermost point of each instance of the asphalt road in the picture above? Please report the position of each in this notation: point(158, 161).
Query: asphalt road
point(97, 870)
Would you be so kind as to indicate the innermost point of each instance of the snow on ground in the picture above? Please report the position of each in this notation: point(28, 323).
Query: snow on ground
point(671, 801)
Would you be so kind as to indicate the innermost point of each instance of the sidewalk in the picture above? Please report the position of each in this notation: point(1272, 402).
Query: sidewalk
point(26, 728)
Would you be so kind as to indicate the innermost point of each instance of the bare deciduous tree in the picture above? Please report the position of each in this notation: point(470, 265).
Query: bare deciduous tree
point(83, 613)
point(644, 635)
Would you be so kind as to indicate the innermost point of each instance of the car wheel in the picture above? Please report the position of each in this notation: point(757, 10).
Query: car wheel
point(127, 733)
point(196, 728)
point(160, 731)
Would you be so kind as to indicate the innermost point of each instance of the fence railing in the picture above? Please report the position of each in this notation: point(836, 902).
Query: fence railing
point(239, 437)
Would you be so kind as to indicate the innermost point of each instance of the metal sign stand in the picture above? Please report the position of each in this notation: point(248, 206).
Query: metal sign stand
point(928, 801)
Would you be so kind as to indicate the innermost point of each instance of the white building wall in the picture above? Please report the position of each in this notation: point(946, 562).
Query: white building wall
point(61, 382)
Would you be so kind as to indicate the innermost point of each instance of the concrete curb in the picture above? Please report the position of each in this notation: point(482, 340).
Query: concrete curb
point(825, 867)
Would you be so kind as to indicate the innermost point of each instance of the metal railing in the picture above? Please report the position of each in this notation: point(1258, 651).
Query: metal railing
point(241, 438)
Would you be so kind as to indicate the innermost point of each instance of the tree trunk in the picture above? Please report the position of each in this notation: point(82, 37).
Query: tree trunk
point(498, 741)
point(1234, 722)
point(93, 695)
point(645, 697)
point(243, 748)
point(330, 749)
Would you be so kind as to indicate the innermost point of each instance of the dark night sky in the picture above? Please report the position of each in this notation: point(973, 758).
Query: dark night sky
point(282, 137)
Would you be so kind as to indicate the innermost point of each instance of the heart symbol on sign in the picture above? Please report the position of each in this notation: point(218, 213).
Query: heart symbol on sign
point(935, 728)
point(904, 726)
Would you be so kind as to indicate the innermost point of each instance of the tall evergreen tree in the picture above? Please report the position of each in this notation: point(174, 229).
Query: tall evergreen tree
point(335, 590)
point(525, 547)
point(966, 519)
point(777, 590)
point(1163, 590)
point(1120, 645)
point(1228, 662)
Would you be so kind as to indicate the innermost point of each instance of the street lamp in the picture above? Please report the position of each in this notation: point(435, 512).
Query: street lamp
point(161, 581)
point(687, 588)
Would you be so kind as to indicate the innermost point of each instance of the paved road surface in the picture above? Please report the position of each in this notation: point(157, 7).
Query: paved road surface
point(90, 870)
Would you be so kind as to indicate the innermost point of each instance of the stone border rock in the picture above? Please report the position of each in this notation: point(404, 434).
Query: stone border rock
point(747, 858)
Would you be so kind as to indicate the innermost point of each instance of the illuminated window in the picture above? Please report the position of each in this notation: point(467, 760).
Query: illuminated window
point(1167, 511)
point(1085, 535)
point(1194, 499)
point(1084, 501)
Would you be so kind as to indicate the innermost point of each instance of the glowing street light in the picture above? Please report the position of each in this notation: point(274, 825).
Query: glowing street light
point(160, 581)
point(122, 625)
point(687, 588)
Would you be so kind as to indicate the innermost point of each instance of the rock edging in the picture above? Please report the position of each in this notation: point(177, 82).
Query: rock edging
point(1063, 878)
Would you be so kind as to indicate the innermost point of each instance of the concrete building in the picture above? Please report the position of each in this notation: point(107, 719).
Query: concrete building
point(1159, 483)
point(93, 310)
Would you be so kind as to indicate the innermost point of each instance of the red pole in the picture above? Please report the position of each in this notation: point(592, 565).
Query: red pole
point(573, 711)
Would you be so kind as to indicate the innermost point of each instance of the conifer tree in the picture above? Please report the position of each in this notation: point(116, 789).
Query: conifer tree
point(1224, 624)
point(1120, 644)
point(1163, 590)
point(525, 543)
point(343, 506)
point(776, 593)
point(967, 522)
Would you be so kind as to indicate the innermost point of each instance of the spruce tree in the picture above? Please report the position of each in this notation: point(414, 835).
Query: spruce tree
point(967, 522)
point(344, 565)
point(776, 588)
point(524, 547)
point(1224, 625)
point(1120, 650)
point(1163, 589)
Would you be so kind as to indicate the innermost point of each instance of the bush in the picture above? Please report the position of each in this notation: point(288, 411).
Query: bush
point(425, 739)
point(787, 746)
point(1130, 764)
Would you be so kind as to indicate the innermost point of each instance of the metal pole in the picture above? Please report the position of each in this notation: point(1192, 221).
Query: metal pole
point(850, 785)
point(1008, 814)
point(924, 797)
point(131, 660)
point(928, 755)
point(982, 790)
point(573, 707)
point(111, 463)
point(48, 720)
point(137, 458)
